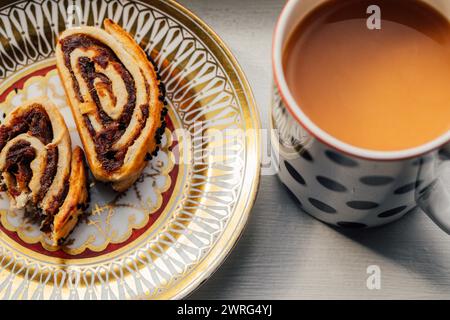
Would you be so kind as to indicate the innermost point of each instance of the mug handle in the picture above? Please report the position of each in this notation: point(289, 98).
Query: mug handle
point(434, 198)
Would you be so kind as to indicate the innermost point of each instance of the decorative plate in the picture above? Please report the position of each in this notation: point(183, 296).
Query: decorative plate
point(174, 227)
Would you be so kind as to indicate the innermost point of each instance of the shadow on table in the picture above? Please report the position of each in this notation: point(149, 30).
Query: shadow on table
point(413, 242)
point(276, 229)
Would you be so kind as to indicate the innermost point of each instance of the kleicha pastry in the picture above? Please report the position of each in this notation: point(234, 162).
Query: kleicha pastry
point(116, 99)
point(39, 171)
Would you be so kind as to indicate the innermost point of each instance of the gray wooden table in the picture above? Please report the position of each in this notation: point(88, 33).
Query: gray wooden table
point(284, 253)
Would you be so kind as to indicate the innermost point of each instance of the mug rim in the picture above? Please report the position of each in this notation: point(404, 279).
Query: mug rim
point(313, 129)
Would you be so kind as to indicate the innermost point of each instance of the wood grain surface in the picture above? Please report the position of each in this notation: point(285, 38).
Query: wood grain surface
point(286, 254)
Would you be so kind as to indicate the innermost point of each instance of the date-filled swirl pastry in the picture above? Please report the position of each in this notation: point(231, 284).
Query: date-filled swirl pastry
point(115, 97)
point(38, 170)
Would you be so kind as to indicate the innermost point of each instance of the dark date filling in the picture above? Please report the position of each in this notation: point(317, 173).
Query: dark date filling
point(58, 199)
point(35, 123)
point(18, 161)
point(49, 173)
point(113, 129)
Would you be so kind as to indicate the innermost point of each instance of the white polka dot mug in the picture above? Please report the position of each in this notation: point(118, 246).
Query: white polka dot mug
point(344, 185)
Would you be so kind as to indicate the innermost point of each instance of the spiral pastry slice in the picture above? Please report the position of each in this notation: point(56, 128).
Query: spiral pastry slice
point(116, 99)
point(38, 170)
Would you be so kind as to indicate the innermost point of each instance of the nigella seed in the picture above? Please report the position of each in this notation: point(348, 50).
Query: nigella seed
point(165, 103)
point(4, 115)
point(162, 88)
point(158, 77)
point(149, 57)
point(82, 206)
point(152, 61)
point(155, 152)
point(161, 98)
point(148, 157)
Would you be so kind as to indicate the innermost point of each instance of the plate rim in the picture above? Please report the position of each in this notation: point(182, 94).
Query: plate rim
point(200, 277)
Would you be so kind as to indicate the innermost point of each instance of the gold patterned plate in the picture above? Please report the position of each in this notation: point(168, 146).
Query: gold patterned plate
point(174, 227)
